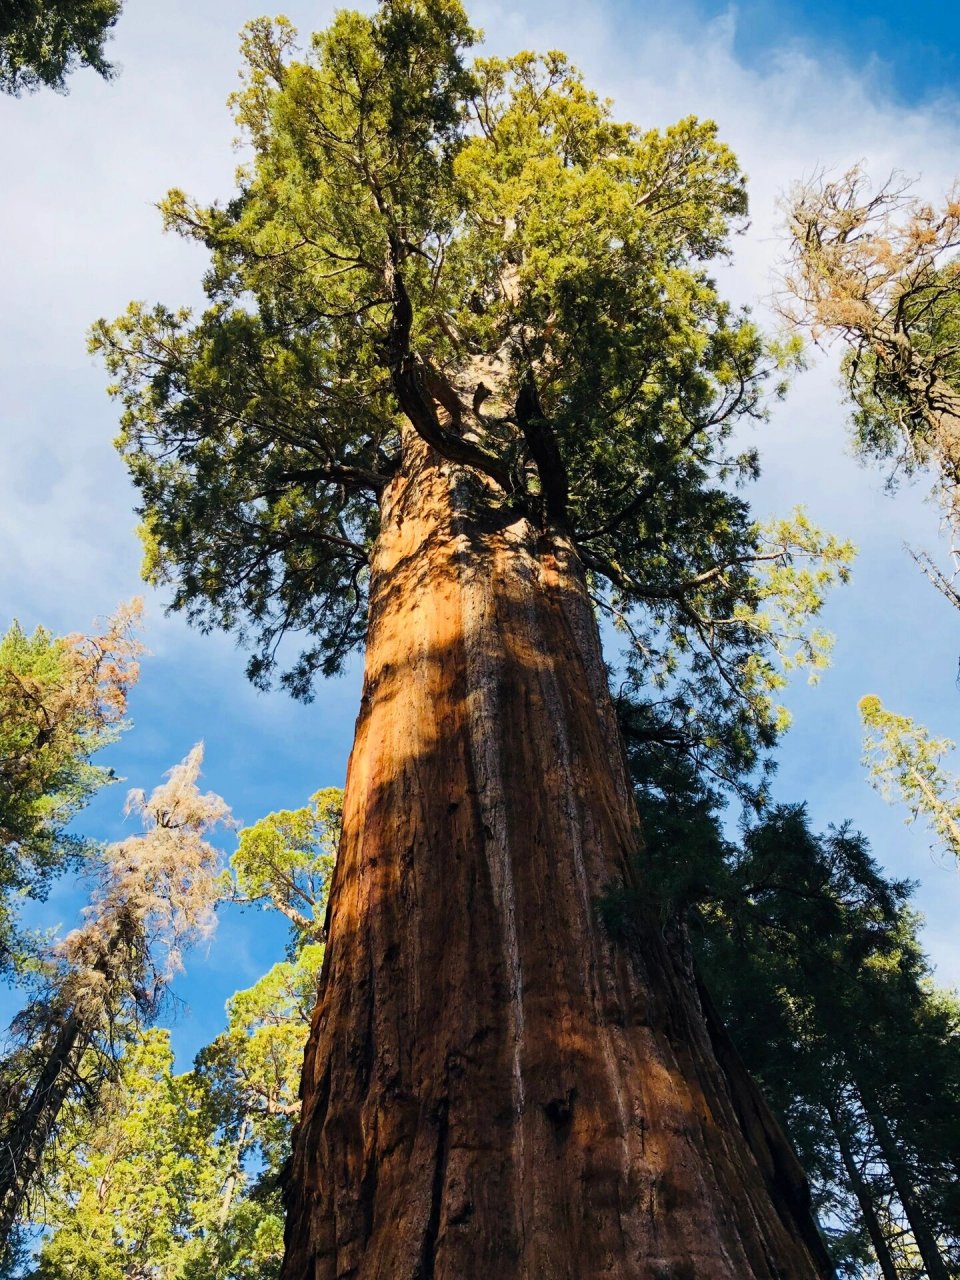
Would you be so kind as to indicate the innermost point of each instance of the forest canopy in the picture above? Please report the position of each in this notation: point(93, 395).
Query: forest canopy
point(42, 42)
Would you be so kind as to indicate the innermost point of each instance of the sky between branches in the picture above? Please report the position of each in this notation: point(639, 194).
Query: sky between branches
point(793, 87)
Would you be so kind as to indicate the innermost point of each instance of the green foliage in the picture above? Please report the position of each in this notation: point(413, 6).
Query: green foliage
point(905, 764)
point(160, 1181)
point(44, 41)
point(138, 1188)
point(254, 1070)
point(284, 863)
point(891, 418)
point(814, 961)
point(102, 982)
point(482, 255)
point(203, 1152)
point(62, 699)
point(811, 955)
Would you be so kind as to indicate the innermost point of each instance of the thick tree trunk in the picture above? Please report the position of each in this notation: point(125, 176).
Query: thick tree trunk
point(493, 1090)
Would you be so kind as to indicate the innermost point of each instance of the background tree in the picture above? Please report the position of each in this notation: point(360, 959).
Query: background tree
point(463, 369)
point(877, 269)
point(180, 1175)
point(136, 1184)
point(812, 958)
point(44, 41)
point(156, 895)
point(62, 699)
point(285, 861)
point(905, 764)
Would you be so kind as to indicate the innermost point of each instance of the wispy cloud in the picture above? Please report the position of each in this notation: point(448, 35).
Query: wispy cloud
point(81, 236)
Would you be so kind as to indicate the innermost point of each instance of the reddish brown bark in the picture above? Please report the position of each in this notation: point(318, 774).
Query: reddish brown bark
point(493, 1090)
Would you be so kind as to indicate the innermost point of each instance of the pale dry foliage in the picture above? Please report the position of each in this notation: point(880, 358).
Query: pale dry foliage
point(857, 254)
point(157, 896)
point(878, 269)
point(105, 667)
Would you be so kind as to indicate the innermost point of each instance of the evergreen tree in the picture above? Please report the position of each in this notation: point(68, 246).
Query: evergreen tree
point(464, 371)
point(284, 863)
point(203, 1152)
point(44, 41)
point(62, 699)
point(137, 1183)
point(905, 764)
point(156, 895)
point(876, 268)
point(811, 957)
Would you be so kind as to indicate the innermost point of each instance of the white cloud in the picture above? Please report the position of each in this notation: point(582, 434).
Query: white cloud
point(80, 237)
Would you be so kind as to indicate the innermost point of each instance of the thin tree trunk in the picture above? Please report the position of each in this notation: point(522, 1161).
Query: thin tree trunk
point(23, 1144)
point(938, 809)
point(925, 1239)
point(859, 1188)
point(492, 1089)
point(233, 1177)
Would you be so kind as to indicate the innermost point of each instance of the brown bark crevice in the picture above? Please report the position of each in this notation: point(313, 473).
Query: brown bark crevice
point(541, 1105)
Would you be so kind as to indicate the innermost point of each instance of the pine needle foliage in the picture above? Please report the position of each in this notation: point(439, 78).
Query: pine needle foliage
point(107, 976)
point(905, 763)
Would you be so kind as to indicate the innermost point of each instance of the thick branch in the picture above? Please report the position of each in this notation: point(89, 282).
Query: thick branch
point(350, 475)
point(410, 382)
point(601, 564)
point(542, 443)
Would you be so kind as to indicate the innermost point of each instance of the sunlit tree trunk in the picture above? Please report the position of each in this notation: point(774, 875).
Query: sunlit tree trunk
point(493, 1088)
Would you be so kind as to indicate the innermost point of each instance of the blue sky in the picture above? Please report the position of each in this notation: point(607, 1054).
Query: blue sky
point(913, 47)
point(793, 87)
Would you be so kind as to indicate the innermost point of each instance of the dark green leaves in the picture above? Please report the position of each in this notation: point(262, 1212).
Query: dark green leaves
point(44, 41)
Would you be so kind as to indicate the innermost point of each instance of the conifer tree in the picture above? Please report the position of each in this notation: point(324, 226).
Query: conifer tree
point(812, 958)
point(62, 699)
point(905, 764)
point(156, 895)
point(203, 1152)
point(877, 269)
point(135, 1184)
point(463, 372)
point(44, 41)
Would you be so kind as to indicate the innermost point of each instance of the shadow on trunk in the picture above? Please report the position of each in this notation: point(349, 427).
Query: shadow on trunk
point(492, 1088)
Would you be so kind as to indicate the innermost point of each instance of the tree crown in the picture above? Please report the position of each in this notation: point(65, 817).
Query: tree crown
point(482, 257)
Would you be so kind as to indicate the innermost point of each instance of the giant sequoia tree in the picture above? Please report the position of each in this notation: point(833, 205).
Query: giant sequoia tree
point(463, 373)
